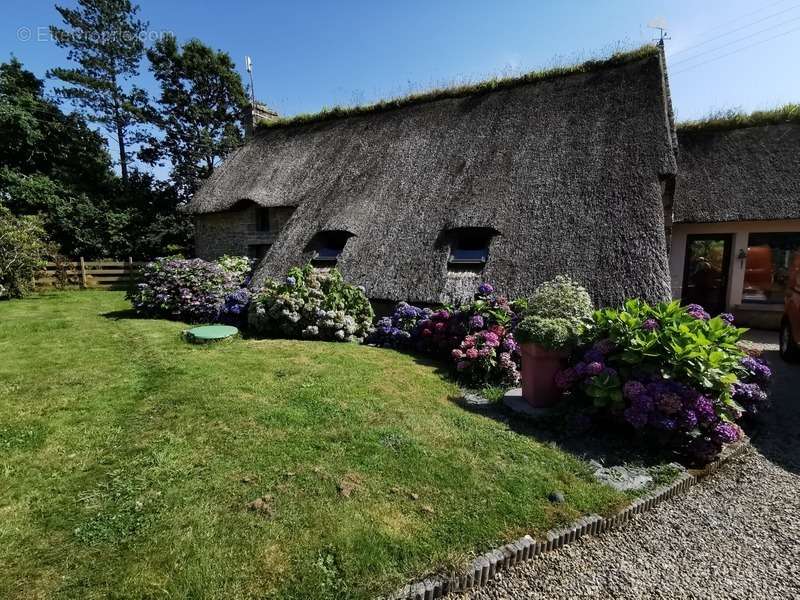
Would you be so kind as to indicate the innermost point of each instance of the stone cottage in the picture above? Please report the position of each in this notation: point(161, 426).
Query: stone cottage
point(512, 181)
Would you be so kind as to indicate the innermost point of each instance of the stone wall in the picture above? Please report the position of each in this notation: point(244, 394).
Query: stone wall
point(235, 231)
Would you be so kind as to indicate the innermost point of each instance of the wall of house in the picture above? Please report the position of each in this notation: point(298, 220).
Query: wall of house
point(235, 232)
point(765, 316)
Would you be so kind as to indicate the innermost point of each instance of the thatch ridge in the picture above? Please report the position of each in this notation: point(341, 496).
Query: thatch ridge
point(735, 119)
point(746, 168)
point(459, 91)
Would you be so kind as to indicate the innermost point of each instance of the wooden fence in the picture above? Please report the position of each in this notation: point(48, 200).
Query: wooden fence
point(100, 274)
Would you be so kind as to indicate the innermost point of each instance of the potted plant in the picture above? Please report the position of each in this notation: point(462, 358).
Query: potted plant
point(557, 315)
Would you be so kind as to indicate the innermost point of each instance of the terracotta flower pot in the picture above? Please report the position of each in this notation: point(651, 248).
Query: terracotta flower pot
point(539, 368)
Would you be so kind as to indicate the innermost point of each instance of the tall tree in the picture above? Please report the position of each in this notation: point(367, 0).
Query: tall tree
point(104, 39)
point(54, 166)
point(201, 103)
point(39, 138)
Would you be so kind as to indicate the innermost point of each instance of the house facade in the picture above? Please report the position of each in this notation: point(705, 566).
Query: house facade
point(514, 181)
point(736, 228)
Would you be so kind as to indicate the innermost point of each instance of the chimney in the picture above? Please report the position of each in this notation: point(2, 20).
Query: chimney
point(255, 113)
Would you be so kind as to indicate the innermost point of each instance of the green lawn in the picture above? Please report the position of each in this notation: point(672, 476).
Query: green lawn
point(128, 458)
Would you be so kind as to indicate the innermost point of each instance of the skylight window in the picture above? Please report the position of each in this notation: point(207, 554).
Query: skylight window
point(469, 247)
point(328, 247)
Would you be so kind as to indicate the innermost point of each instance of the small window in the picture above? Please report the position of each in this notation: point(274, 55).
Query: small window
point(262, 218)
point(328, 246)
point(469, 248)
point(257, 251)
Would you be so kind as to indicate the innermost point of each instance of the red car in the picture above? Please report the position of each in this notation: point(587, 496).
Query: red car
point(790, 327)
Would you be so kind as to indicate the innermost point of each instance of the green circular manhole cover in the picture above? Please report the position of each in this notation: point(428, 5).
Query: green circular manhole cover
point(210, 333)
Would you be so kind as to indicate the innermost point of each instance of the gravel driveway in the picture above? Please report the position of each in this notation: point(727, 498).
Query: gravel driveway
point(736, 535)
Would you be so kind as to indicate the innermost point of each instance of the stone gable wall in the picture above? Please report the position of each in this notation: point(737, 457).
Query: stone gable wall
point(234, 231)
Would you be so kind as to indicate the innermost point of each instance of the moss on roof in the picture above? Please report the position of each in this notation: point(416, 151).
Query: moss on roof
point(732, 119)
point(489, 85)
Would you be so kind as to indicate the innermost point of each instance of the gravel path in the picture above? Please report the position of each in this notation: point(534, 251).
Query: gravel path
point(736, 535)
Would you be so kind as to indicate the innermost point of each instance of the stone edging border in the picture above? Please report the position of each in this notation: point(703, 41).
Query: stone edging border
point(484, 568)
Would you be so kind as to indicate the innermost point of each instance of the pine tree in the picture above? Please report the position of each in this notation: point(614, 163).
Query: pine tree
point(105, 40)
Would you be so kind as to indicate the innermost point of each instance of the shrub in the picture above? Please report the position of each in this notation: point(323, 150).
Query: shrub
point(669, 371)
point(312, 305)
point(561, 298)
point(190, 290)
point(400, 330)
point(234, 309)
point(239, 267)
point(487, 357)
point(23, 251)
point(550, 333)
point(476, 336)
point(557, 314)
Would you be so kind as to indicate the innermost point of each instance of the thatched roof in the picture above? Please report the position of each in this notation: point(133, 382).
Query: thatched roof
point(566, 170)
point(745, 173)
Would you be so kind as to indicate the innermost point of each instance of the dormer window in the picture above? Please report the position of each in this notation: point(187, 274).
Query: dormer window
point(328, 246)
point(469, 247)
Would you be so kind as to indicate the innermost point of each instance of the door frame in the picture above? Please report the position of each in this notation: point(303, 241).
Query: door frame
point(726, 261)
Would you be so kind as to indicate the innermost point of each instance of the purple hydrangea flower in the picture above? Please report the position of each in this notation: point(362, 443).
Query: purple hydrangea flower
point(728, 318)
point(594, 368)
point(726, 433)
point(758, 369)
point(476, 322)
point(704, 409)
point(650, 325)
point(566, 378)
point(698, 312)
point(291, 281)
point(485, 289)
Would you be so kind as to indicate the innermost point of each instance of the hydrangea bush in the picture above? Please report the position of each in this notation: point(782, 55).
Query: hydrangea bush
point(476, 337)
point(670, 372)
point(240, 267)
point(311, 305)
point(400, 329)
point(191, 290)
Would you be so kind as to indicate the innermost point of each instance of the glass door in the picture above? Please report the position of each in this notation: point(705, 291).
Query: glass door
point(705, 274)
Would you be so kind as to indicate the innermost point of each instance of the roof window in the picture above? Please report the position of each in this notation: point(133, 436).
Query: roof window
point(328, 246)
point(469, 247)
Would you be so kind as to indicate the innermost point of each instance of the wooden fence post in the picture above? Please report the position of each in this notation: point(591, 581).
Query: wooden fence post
point(83, 274)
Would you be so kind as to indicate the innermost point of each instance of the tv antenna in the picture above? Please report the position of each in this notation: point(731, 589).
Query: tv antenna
point(659, 23)
point(248, 63)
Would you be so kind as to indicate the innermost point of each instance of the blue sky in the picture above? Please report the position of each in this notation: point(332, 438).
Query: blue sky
point(311, 54)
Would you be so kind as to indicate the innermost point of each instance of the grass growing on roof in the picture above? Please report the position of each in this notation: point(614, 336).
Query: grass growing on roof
point(458, 91)
point(733, 119)
point(128, 458)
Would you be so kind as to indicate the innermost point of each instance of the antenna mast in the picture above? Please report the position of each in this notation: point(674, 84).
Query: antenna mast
point(249, 66)
point(661, 24)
